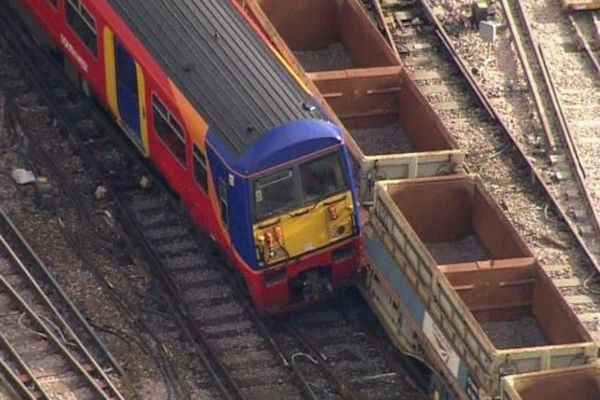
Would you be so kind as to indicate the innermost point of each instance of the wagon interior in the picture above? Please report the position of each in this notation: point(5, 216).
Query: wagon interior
point(328, 35)
point(574, 383)
point(357, 73)
point(486, 263)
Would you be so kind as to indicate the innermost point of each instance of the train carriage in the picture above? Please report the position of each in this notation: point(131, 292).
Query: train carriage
point(214, 107)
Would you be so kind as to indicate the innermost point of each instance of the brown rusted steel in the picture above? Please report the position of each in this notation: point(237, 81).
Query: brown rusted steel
point(585, 44)
point(580, 383)
point(363, 91)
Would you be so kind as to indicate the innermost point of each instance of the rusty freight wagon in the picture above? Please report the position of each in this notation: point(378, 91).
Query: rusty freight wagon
point(391, 130)
point(577, 383)
point(452, 282)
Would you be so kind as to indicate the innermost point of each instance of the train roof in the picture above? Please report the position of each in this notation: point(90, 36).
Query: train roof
point(220, 64)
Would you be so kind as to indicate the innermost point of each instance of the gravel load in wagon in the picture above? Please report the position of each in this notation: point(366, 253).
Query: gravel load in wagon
point(485, 261)
point(385, 139)
point(580, 383)
point(328, 35)
point(331, 58)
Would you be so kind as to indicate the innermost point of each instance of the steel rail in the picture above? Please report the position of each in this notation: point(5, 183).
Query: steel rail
point(17, 381)
point(17, 298)
point(210, 360)
point(584, 43)
point(529, 75)
point(383, 26)
point(41, 267)
point(564, 131)
point(343, 388)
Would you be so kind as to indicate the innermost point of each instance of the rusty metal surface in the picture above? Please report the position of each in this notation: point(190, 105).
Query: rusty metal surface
point(581, 383)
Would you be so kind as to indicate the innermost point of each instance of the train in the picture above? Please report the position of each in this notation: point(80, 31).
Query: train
point(201, 93)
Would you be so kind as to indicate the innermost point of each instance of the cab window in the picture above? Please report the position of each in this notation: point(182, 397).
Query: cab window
point(275, 193)
point(322, 177)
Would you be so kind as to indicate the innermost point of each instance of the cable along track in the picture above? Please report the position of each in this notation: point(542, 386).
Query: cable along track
point(509, 162)
point(339, 351)
point(41, 355)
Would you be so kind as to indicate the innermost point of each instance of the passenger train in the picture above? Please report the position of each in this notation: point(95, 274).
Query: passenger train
point(215, 108)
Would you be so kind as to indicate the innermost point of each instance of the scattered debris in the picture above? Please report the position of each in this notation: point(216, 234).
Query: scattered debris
point(100, 192)
point(22, 176)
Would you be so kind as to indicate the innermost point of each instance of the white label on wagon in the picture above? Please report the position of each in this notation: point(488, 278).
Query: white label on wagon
point(441, 345)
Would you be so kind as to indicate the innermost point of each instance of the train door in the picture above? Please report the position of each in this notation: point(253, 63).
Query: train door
point(127, 92)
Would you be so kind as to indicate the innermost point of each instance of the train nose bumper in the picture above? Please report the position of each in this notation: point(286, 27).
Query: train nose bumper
point(311, 285)
point(296, 285)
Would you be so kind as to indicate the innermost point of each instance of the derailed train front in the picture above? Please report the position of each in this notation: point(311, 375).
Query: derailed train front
point(295, 224)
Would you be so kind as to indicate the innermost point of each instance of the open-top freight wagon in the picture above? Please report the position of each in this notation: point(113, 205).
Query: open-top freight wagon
point(580, 383)
point(453, 283)
point(390, 129)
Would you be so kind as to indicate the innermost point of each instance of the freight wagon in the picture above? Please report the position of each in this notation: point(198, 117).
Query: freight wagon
point(577, 383)
point(391, 130)
point(453, 283)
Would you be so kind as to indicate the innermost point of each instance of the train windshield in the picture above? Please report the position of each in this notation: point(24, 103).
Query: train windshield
point(301, 185)
point(322, 177)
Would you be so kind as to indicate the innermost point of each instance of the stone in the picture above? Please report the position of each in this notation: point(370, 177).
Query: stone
point(22, 176)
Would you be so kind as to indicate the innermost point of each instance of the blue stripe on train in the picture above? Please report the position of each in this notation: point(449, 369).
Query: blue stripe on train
point(396, 278)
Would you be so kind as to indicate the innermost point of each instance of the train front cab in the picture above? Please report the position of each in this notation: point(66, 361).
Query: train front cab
point(294, 231)
point(288, 258)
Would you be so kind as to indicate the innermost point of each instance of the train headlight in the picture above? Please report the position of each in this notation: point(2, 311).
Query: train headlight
point(332, 211)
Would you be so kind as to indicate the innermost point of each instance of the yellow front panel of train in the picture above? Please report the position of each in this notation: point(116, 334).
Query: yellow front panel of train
point(305, 229)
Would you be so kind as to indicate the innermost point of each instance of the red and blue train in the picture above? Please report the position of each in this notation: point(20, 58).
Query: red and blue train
point(233, 130)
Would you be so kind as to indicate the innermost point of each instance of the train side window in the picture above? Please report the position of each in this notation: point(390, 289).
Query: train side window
point(54, 3)
point(223, 202)
point(83, 24)
point(200, 170)
point(169, 130)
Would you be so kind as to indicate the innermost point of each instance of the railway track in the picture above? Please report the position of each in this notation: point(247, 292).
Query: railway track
point(586, 25)
point(41, 355)
point(339, 354)
point(509, 163)
point(564, 172)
